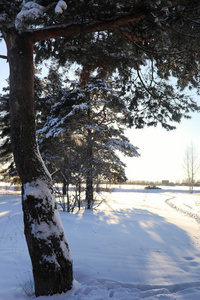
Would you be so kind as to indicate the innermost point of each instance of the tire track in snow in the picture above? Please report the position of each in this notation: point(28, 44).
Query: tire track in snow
point(194, 216)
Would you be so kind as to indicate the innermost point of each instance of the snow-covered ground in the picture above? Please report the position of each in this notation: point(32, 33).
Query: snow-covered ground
point(137, 244)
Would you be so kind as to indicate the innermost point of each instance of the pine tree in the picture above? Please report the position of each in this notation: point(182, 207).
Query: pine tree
point(6, 157)
point(154, 30)
point(86, 131)
point(8, 168)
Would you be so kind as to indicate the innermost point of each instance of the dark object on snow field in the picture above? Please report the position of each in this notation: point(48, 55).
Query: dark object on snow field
point(152, 187)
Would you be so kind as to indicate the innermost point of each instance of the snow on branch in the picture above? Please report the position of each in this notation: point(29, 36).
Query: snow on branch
point(60, 7)
point(123, 146)
point(31, 11)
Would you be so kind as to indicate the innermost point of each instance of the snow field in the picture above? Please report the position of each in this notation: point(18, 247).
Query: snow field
point(136, 244)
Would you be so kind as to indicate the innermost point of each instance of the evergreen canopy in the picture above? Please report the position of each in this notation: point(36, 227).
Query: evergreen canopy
point(123, 38)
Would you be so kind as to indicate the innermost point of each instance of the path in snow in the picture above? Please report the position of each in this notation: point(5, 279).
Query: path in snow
point(190, 208)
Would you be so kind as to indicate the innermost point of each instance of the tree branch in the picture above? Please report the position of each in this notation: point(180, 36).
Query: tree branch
point(194, 21)
point(130, 36)
point(156, 53)
point(69, 30)
point(3, 57)
point(141, 80)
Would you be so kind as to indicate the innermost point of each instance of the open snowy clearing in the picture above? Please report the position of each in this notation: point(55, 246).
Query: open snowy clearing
point(136, 244)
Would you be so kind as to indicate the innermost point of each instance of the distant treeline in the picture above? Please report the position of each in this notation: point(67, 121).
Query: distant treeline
point(155, 183)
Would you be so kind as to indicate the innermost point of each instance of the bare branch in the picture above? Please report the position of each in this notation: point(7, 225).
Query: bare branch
point(194, 21)
point(142, 81)
point(156, 53)
point(3, 57)
point(56, 171)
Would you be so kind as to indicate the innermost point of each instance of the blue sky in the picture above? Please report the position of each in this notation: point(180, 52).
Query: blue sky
point(162, 152)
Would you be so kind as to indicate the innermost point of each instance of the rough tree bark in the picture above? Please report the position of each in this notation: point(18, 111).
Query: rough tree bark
point(47, 244)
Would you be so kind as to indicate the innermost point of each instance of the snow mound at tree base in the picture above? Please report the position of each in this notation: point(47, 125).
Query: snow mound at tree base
point(102, 289)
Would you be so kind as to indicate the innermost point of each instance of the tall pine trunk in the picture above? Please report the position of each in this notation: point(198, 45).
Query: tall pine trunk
point(47, 244)
point(89, 175)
